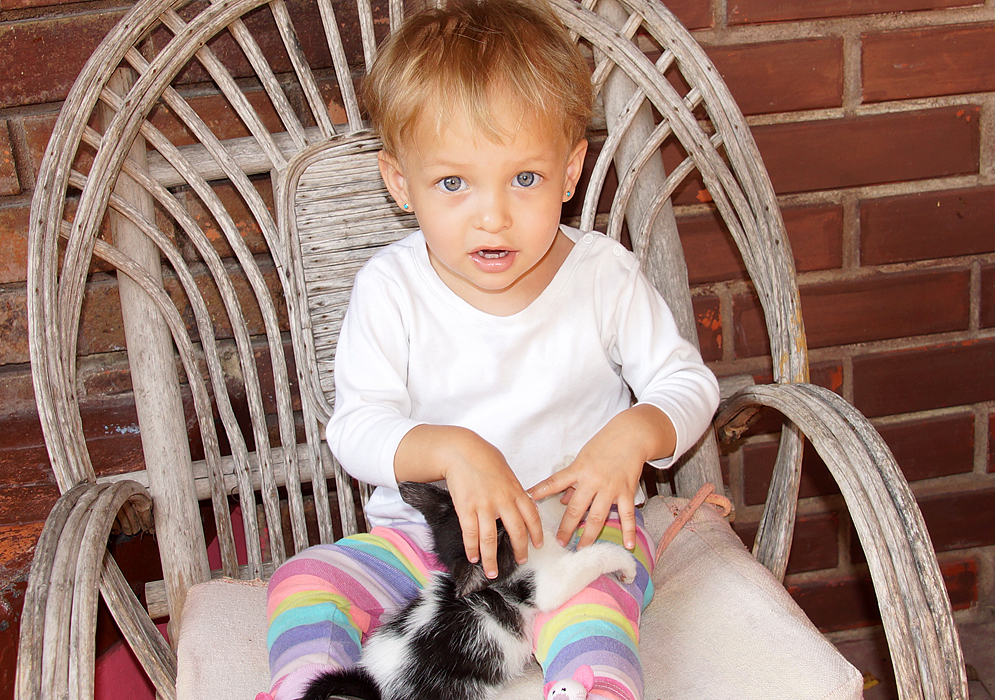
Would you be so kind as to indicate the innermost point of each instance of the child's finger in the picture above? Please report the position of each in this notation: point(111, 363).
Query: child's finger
point(554, 484)
point(576, 509)
point(597, 515)
point(518, 533)
point(627, 517)
point(533, 523)
point(471, 537)
point(488, 544)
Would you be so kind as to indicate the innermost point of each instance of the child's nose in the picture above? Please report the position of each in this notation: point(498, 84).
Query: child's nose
point(494, 214)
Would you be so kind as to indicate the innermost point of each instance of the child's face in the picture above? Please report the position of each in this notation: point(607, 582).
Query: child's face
point(489, 211)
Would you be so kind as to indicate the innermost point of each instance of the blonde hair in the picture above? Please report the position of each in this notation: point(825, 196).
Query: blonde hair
point(458, 58)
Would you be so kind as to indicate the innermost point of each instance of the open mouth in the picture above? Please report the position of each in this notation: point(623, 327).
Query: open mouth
point(493, 259)
point(492, 254)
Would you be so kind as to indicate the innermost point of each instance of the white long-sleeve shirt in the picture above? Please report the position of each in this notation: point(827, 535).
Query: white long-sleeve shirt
point(537, 384)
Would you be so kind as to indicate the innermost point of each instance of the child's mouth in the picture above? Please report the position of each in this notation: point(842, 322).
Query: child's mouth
point(493, 259)
point(492, 254)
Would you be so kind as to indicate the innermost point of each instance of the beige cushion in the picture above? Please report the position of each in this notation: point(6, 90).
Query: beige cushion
point(221, 653)
point(720, 626)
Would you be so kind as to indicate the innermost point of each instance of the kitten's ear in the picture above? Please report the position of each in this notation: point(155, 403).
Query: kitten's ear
point(468, 578)
point(426, 498)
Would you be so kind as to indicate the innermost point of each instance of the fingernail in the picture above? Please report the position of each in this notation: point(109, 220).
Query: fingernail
point(491, 574)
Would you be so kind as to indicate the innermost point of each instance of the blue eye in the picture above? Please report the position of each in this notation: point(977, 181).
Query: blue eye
point(526, 179)
point(453, 183)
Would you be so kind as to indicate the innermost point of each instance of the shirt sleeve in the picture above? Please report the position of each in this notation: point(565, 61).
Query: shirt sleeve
point(372, 405)
point(659, 365)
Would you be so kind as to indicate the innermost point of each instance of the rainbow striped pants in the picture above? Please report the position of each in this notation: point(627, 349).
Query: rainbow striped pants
point(324, 602)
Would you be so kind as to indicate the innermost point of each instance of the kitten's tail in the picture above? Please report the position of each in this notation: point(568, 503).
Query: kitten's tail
point(352, 683)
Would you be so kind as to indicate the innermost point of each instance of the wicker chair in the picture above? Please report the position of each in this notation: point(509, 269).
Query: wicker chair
point(140, 179)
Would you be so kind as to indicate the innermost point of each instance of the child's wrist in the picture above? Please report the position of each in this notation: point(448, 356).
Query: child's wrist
point(653, 432)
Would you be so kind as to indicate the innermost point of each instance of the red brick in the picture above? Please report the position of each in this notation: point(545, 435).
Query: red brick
point(37, 132)
point(960, 520)
point(749, 11)
point(218, 114)
point(840, 603)
point(13, 327)
point(102, 328)
point(17, 547)
point(17, 391)
point(9, 184)
point(693, 14)
point(13, 243)
point(987, 296)
point(783, 76)
point(815, 235)
point(709, 317)
point(246, 298)
point(109, 378)
point(865, 150)
point(948, 60)
point(24, 4)
point(233, 203)
point(758, 467)
point(956, 374)
point(112, 436)
point(884, 306)
point(11, 602)
point(932, 447)
point(42, 58)
point(20, 505)
point(308, 27)
point(814, 546)
point(991, 443)
point(25, 466)
point(332, 97)
point(927, 225)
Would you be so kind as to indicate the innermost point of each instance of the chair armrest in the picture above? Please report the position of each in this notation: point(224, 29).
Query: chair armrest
point(70, 567)
point(915, 609)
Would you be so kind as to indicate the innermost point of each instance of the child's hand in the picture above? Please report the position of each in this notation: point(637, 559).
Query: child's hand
point(607, 472)
point(482, 485)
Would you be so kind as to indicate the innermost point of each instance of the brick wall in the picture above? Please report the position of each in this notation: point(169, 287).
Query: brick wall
point(876, 119)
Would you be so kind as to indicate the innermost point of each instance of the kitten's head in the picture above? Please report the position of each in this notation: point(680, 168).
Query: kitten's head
point(435, 503)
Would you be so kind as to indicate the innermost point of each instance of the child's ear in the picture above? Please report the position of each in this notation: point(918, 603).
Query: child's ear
point(393, 178)
point(575, 165)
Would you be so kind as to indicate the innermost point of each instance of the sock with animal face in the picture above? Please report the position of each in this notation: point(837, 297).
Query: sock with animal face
point(598, 629)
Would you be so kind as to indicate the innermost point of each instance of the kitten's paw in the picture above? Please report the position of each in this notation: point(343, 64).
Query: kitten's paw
point(625, 565)
point(627, 573)
point(617, 560)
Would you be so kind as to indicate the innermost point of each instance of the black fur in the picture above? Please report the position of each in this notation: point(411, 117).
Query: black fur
point(435, 503)
point(465, 635)
point(352, 683)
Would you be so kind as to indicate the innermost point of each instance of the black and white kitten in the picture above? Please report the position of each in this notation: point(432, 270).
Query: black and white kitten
point(465, 635)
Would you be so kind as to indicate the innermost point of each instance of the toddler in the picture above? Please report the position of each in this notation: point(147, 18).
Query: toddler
point(495, 349)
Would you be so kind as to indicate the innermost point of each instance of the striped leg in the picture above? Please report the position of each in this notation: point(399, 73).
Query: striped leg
point(599, 627)
point(324, 602)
